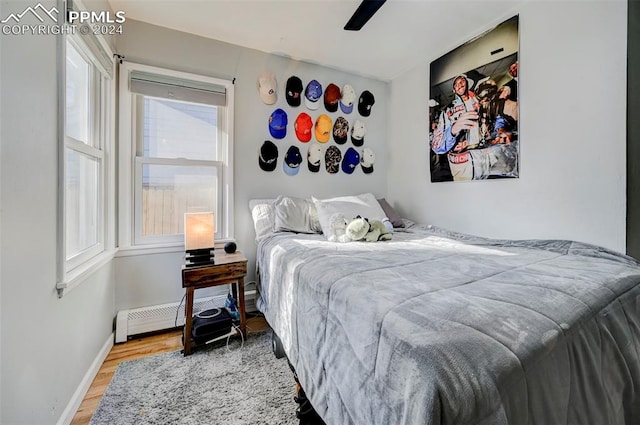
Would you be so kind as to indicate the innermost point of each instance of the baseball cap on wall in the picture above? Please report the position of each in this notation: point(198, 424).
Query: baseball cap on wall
point(268, 156)
point(357, 133)
point(323, 128)
point(366, 160)
point(314, 156)
point(303, 126)
point(365, 103)
point(268, 88)
point(350, 161)
point(292, 161)
point(340, 130)
point(332, 158)
point(332, 97)
point(348, 99)
point(312, 95)
point(293, 91)
point(278, 124)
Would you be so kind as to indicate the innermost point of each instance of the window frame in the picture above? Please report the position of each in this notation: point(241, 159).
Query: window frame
point(93, 149)
point(99, 147)
point(131, 240)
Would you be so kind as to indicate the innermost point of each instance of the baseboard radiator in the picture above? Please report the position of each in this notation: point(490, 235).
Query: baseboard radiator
point(130, 323)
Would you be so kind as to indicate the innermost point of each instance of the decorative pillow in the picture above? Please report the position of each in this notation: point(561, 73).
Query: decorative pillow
point(364, 205)
point(296, 215)
point(263, 212)
point(391, 214)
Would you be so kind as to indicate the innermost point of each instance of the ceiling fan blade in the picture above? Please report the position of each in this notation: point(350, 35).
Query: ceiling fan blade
point(363, 13)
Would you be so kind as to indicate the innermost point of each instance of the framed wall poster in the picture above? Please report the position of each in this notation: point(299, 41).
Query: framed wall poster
point(473, 108)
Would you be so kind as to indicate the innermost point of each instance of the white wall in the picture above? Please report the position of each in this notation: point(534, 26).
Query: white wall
point(48, 343)
point(572, 134)
point(152, 279)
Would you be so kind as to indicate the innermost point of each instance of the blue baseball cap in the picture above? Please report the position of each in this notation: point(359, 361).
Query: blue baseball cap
point(350, 160)
point(312, 95)
point(292, 161)
point(278, 124)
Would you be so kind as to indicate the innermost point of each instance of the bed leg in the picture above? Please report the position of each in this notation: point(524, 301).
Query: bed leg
point(305, 411)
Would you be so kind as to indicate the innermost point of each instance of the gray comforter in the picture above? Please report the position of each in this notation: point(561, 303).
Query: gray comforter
point(435, 327)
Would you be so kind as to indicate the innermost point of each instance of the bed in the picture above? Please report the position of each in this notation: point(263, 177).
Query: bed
point(438, 327)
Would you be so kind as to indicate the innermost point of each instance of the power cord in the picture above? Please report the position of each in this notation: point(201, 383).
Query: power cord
point(234, 326)
point(175, 322)
point(237, 329)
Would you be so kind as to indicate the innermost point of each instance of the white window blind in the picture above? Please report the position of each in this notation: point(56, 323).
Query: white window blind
point(173, 88)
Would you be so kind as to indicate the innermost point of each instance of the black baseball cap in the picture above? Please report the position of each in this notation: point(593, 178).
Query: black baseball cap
point(292, 161)
point(365, 103)
point(293, 91)
point(268, 157)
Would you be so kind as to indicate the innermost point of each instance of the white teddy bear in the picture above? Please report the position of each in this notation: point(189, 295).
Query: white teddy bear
point(358, 229)
point(338, 223)
point(367, 230)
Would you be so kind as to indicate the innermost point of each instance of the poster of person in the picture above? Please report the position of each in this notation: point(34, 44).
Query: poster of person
point(473, 108)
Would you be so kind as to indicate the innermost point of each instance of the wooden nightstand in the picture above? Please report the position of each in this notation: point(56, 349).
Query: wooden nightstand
point(228, 269)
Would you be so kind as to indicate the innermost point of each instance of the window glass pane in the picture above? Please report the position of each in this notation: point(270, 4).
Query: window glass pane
point(169, 191)
point(174, 129)
point(77, 96)
point(81, 202)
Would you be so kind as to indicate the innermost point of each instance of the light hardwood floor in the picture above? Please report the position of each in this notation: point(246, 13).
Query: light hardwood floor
point(135, 349)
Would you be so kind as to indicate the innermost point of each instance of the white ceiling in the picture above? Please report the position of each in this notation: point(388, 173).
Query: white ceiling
point(400, 36)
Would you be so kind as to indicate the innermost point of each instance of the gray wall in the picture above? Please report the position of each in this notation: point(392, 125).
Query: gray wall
point(151, 279)
point(48, 344)
point(572, 133)
point(633, 131)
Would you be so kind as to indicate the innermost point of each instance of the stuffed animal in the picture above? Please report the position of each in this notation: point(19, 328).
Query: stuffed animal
point(377, 232)
point(387, 224)
point(357, 229)
point(368, 230)
point(338, 223)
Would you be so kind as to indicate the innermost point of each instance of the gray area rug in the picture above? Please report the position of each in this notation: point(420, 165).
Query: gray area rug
point(211, 386)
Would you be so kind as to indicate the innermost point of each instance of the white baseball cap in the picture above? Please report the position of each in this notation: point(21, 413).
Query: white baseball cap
point(367, 159)
point(357, 133)
point(268, 88)
point(348, 99)
point(314, 156)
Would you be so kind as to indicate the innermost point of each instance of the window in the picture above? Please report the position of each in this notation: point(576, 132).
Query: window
point(84, 162)
point(179, 156)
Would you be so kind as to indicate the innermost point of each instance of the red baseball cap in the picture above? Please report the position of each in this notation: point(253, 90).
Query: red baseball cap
point(303, 127)
point(332, 96)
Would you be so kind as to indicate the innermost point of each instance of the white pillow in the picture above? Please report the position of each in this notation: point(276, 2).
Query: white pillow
point(365, 206)
point(264, 217)
point(296, 215)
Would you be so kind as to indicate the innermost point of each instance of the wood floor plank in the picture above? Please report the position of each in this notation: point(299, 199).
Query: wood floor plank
point(135, 349)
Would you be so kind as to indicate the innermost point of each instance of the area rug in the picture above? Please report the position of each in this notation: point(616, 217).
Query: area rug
point(214, 385)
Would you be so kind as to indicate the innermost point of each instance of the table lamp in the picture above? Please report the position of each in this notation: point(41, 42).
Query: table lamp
point(198, 238)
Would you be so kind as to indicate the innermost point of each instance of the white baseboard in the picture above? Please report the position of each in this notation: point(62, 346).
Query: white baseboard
point(81, 391)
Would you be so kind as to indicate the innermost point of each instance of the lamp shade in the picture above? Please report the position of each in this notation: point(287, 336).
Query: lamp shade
point(198, 231)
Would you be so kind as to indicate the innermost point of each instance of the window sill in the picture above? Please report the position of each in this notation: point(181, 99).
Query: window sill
point(79, 274)
point(129, 251)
